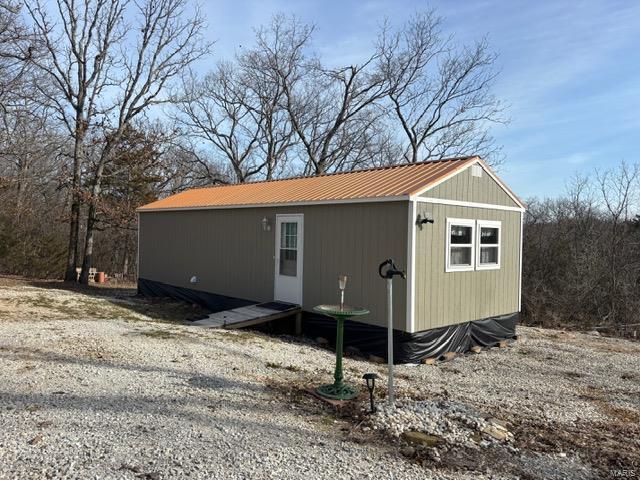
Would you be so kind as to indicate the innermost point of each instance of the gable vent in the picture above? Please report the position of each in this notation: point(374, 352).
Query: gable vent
point(476, 170)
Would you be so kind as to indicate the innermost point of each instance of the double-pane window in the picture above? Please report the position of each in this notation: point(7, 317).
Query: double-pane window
point(472, 245)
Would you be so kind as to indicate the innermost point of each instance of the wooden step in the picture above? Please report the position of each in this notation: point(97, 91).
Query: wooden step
point(249, 315)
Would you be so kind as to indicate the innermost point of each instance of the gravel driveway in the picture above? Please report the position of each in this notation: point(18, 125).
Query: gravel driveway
point(98, 399)
point(130, 397)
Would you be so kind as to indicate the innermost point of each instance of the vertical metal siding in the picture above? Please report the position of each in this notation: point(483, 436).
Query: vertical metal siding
point(443, 298)
point(231, 254)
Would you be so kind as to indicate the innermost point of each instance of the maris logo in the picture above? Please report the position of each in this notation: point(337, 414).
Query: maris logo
point(629, 471)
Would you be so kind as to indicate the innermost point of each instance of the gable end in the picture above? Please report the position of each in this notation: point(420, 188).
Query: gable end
point(472, 184)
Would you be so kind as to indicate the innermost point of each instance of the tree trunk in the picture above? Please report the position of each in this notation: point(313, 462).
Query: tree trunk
point(96, 190)
point(74, 223)
point(414, 152)
point(125, 259)
point(17, 214)
point(238, 171)
point(270, 162)
point(87, 259)
point(88, 246)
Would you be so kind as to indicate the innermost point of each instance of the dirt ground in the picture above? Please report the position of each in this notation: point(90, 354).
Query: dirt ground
point(51, 299)
point(99, 383)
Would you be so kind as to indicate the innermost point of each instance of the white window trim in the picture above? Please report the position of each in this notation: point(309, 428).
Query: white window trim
point(488, 224)
point(464, 222)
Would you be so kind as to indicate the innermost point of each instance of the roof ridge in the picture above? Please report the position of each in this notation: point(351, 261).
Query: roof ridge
point(369, 169)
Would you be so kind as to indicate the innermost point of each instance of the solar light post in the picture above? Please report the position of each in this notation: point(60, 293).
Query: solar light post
point(370, 378)
point(342, 283)
point(388, 270)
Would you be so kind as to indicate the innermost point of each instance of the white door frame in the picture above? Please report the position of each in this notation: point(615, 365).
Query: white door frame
point(296, 294)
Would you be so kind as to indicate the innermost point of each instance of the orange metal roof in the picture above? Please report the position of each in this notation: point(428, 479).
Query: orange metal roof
point(383, 182)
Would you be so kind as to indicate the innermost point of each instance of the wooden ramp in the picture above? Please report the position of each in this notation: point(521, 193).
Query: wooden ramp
point(250, 315)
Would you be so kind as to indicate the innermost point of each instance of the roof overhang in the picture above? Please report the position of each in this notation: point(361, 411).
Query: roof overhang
point(399, 198)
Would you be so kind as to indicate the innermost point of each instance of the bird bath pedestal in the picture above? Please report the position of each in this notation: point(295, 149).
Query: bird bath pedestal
point(338, 390)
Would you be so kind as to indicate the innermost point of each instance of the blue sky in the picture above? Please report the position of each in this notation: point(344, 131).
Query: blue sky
point(570, 71)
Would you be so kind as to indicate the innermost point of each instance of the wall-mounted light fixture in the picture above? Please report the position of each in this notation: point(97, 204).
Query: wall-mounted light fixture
point(265, 224)
point(194, 280)
point(422, 220)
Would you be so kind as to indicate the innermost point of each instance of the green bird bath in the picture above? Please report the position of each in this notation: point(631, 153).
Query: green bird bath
point(338, 390)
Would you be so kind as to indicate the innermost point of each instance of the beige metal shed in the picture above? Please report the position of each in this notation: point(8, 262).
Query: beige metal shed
point(288, 240)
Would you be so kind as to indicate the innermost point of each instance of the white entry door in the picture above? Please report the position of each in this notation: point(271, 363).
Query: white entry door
point(289, 254)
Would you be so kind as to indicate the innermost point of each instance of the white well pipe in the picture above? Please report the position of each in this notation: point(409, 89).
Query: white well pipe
point(391, 394)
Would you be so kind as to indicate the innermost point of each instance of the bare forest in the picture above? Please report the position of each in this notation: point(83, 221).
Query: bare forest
point(581, 259)
point(110, 104)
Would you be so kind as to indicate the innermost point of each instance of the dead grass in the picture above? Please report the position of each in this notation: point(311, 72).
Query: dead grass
point(598, 343)
point(243, 337)
point(108, 288)
point(162, 334)
point(600, 442)
point(616, 413)
point(291, 368)
point(50, 300)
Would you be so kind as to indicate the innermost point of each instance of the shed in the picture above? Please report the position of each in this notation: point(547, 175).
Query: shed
point(288, 240)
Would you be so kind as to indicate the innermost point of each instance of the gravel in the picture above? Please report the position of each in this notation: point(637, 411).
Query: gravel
point(547, 374)
point(129, 397)
point(453, 422)
point(114, 400)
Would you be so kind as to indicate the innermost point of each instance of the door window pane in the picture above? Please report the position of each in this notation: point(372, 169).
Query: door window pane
point(288, 262)
point(289, 235)
point(289, 249)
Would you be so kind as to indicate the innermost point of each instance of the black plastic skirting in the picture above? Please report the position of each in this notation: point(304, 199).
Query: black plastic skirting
point(210, 301)
point(412, 347)
point(369, 339)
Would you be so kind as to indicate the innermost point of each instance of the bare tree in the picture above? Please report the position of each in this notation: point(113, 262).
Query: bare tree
point(220, 110)
point(617, 189)
point(323, 103)
point(440, 94)
point(332, 113)
point(236, 113)
point(582, 253)
point(73, 88)
point(30, 150)
point(30, 163)
point(277, 136)
point(369, 144)
point(78, 57)
point(20, 119)
point(17, 45)
point(168, 39)
point(190, 167)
